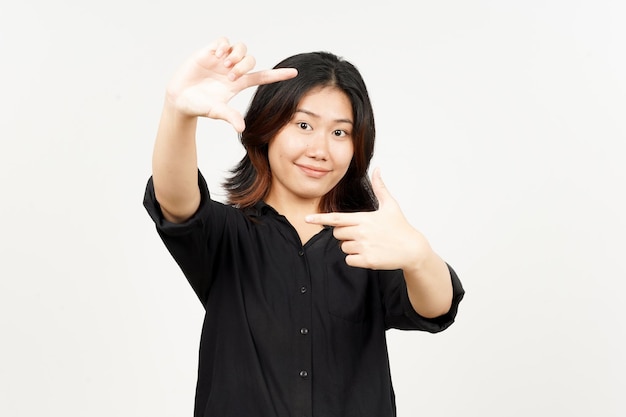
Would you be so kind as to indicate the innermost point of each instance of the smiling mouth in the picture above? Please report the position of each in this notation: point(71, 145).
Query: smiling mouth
point(313, 172)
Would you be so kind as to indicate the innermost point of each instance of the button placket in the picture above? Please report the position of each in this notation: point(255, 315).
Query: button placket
point(302, 324)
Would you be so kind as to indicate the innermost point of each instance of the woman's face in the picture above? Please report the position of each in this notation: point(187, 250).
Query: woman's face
point(312, 152)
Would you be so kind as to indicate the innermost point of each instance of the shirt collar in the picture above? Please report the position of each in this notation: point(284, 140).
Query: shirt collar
point(260, 209)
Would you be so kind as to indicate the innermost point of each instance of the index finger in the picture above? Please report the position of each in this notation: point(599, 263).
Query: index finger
point(269, 76)
point(333, 219)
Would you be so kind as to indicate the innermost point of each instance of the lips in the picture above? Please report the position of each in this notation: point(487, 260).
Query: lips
point(311, 171)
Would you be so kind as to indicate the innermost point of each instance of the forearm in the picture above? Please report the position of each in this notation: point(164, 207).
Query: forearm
point(429, 286)
point(175, 165)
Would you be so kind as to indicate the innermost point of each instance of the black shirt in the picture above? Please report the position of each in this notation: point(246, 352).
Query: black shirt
point(289, 330)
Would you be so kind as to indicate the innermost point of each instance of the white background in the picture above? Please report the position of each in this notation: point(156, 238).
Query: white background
point(501, 131)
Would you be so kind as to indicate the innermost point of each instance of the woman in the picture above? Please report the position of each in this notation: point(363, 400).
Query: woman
point(310, 263)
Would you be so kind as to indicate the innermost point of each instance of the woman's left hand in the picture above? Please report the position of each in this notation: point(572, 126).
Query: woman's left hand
point(381, 239)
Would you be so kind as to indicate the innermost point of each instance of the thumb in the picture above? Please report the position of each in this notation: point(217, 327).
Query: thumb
point(229, 115)
point(379, 188)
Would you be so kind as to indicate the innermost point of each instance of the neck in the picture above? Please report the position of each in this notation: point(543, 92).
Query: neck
point(295, 213)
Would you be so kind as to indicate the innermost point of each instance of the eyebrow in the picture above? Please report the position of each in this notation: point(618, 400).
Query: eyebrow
point(310, 113)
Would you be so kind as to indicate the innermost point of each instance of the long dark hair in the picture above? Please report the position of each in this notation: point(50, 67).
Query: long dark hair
point(273, 106)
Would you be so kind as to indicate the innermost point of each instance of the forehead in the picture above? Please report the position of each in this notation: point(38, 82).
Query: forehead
point(326, 102)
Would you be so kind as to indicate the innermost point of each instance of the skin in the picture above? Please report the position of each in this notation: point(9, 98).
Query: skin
point(307, 158)
point(384, 239)
point(202, 87)
point(310, 155)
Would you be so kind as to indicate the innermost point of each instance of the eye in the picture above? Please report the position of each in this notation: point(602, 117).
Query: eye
point(304, 126)
point(340, 133)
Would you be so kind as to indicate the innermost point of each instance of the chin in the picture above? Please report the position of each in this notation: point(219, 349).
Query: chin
point(312, 194)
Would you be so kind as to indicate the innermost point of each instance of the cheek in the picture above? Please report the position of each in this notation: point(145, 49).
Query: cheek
point(288, 149)
point(344, 154)
point(271, 154)
point(278, 151)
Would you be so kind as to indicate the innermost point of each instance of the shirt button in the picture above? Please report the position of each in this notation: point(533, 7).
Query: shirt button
point(301, 253)
point(303, 289)
point(304, 374)
point(304, 330)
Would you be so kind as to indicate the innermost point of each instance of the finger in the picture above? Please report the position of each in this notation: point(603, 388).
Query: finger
point(350, 247)
point(228, 114)
point(333, 219)
point(380, 189)
point(233, 117)
point(240, 67)
point(357, 260)
point(237, 54)
point(220, 46)
point(345, 233)
point(269, 76)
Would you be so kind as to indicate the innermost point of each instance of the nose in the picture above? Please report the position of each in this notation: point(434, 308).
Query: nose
point(317, 146)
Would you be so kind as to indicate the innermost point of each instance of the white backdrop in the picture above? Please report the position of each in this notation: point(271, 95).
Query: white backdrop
point(501, 131)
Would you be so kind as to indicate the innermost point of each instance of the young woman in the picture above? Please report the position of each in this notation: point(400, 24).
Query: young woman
point(310, 263)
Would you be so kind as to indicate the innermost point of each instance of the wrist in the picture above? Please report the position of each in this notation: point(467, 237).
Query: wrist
point(175, 114)
point(421, 257)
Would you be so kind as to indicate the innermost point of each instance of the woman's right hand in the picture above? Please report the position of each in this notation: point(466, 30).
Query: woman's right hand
point(207, 81)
